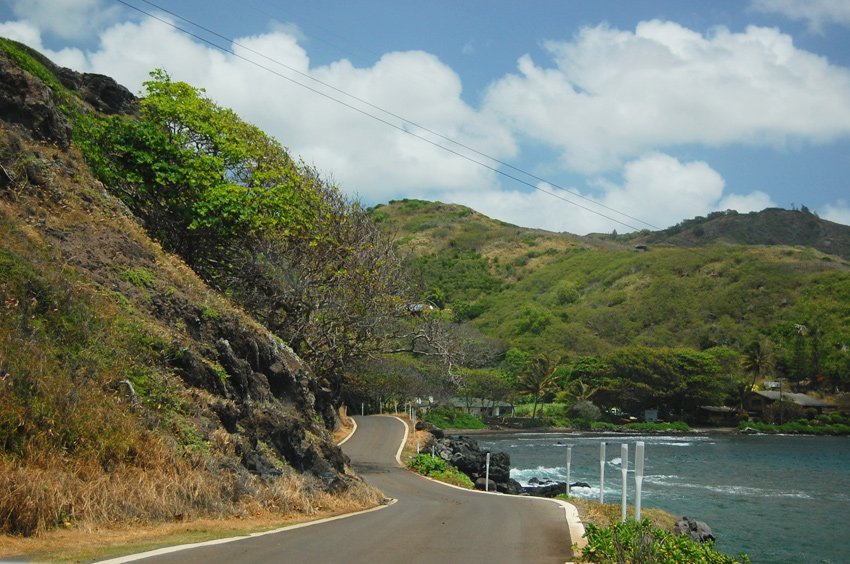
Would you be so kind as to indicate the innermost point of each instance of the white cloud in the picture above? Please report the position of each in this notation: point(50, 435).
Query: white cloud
point(839, 212)
point(817, 13)
point(68, 19)
point(26, 33)
point(616, 94)
point(656, 188)
point(755, 201)
point(367, 157)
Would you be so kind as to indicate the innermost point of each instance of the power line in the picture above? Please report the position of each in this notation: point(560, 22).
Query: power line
point(389, 113)
point(399, 117)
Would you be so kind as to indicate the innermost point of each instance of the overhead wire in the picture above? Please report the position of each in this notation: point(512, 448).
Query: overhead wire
point(388, 113)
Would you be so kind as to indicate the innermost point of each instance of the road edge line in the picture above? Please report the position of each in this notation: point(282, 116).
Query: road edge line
point(403, 440)
point(181, 547)
point(351, 434)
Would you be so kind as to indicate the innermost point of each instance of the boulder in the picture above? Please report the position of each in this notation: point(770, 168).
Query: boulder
point(697, 530)
point(431, 428)
point(464, 454)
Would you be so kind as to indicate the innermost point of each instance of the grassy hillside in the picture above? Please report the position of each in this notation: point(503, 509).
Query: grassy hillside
point(130, 391)
point(772, 226)
point(564, 295)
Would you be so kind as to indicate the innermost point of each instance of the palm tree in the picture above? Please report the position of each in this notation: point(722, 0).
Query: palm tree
point(758, 359)
point(538, 378)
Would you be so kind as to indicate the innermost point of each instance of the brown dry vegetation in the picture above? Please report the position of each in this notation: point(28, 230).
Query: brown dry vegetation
point(80, 284)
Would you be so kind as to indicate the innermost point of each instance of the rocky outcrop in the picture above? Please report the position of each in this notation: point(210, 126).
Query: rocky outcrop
point(465, 454)
point(29, 104)
point(696, 530)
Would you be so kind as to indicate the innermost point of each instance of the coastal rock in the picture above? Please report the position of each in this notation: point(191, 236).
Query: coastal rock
point(697, 530)
point(431, 428)
point(465, 454)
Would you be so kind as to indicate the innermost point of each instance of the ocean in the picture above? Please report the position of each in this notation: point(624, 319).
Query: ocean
point(777, 498)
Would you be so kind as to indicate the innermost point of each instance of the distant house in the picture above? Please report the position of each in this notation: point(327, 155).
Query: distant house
point(641, 248)
point(717, 415)
point(483, 407)
point(419, 309)
point(757, 401)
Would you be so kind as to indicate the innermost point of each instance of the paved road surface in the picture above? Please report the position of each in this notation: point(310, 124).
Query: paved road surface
point(430, 522)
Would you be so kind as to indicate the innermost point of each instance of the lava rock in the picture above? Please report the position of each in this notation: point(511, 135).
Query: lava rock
point(697, 530)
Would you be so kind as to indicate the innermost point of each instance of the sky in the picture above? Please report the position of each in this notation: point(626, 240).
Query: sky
point(566, 115)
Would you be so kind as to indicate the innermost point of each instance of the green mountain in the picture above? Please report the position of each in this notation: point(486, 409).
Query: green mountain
point(561, 294)
point(771, 226)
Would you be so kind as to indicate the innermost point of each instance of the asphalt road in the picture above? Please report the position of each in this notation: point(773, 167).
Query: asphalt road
point(430, 522)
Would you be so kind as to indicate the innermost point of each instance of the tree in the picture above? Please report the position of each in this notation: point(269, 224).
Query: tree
point(539, 378)
point(758, 359)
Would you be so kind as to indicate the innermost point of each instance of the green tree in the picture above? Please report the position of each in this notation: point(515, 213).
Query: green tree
point(758, 359)
point(538, 378)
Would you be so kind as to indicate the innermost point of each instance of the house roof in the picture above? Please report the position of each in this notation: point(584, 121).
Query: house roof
point(800, 399)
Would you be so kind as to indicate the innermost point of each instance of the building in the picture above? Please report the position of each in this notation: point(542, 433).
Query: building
point(757, 401)
point(482, 407)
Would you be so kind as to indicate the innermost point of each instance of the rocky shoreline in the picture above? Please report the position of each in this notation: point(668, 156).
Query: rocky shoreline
point(464, 453)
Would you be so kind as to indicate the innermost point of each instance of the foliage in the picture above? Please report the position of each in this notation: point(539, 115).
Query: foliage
point(437, 468)
point(196, 173)
point(799, 427)
point(640, 542)
point(452, 418)
point(538, 378)
point(273, 235)
point(676, 381)
point(591, 298)
point(585, 411)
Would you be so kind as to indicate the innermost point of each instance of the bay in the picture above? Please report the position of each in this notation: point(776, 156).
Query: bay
point(780, 499)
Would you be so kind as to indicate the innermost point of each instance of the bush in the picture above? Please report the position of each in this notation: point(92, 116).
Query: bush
point(451, 418)
point(640, 542)
point(437, 468)
point(585, 410)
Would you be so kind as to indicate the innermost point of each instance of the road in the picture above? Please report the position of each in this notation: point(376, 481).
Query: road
point(430, 522)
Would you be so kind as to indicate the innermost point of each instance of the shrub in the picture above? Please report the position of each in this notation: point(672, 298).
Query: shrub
point(437, 468)
point(640, 542)
point(451, 418)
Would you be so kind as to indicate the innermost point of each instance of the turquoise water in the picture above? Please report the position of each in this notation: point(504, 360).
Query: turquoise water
point(777, 498)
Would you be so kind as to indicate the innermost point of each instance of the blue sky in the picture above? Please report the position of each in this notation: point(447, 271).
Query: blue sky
point(626, 114)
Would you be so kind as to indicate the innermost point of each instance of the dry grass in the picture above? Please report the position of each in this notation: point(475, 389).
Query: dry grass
point(193, 509)
point(346, 424)
point(609, 514)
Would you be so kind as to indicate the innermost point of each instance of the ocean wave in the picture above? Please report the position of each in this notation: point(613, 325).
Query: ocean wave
point(743, 491)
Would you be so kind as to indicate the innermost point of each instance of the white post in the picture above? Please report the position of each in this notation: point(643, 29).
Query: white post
point(487, 475)
point(638, 477)
point(380, 406)
point(624, 468)
point(414, 431)
point(569, 462)
point(602, 472)
point(362, 408)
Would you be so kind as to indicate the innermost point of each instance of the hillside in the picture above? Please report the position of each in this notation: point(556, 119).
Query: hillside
point(565, 295)
point(130, 390)
point(771, 226)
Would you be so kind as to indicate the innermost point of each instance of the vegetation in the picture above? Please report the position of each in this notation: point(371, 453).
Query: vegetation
point(827, 424)
point(267, 231)
point(437, 468)
point(641, 541)
point(121, 393)
point(624, 324)
point(449, 418)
